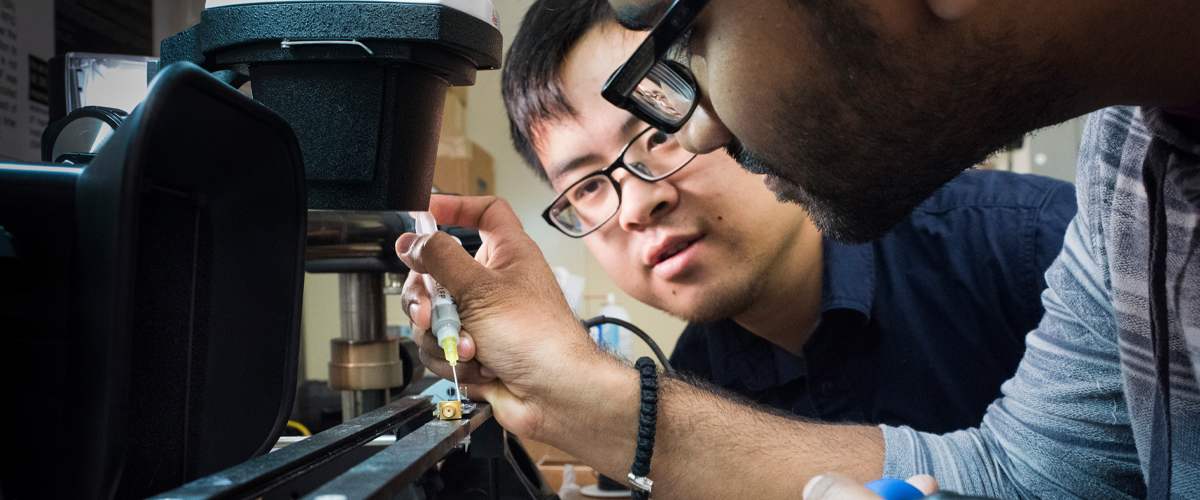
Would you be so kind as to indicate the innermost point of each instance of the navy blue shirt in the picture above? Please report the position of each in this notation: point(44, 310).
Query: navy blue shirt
point(918, 328)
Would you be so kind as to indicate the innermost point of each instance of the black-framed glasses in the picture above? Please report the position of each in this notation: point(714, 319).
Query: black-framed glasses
point(660, 92)
point(590, 202)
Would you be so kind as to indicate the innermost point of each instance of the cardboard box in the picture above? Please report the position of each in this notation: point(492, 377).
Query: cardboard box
point(454, 115)
point(550, 462)
point(481, 171)
point(463, 168)
point(542, 453)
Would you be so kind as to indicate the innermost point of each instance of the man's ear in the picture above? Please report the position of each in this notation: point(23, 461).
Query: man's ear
point(952, 10)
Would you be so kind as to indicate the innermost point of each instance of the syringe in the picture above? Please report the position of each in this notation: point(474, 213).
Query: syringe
point(443, 314)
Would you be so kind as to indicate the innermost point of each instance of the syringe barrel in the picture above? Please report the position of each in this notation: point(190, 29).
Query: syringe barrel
point(445, 321)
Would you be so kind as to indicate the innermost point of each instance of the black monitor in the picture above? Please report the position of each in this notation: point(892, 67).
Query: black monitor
point(150, 302)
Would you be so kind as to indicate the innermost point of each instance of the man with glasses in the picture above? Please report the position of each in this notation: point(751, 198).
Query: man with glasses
point(868, 333)
point(859, 110)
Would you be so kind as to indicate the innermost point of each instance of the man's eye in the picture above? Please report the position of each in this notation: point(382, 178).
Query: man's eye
point(587, 189)
point(657, 138)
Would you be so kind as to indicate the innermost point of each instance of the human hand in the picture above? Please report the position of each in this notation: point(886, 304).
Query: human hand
point(416, 301)
point(525, 349)
point(839, 487)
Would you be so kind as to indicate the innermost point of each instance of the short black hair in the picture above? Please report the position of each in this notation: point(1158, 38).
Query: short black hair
point(531, 82)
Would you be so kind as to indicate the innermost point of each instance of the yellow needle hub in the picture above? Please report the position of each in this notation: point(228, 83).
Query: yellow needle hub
point(450, 345)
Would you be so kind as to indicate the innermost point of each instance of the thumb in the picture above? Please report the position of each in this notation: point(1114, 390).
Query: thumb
point(926, 483)
point(438, 255)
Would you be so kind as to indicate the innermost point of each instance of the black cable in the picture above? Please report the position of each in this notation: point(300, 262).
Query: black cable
point(603, 320)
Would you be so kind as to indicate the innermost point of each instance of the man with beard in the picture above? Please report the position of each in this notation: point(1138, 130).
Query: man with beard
point(858, 110)
point(868, 333)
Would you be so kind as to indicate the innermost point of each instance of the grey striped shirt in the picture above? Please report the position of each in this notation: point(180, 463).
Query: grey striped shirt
point(1075, 420)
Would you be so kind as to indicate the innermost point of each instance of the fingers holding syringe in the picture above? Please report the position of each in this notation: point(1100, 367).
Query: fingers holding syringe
point(427, 341)
point(433, 357)
point(416, 302)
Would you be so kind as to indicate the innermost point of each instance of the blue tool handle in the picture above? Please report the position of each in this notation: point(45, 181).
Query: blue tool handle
point(894, 489)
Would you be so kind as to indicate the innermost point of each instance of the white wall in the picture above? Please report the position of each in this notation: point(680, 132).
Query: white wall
point(1054, 151)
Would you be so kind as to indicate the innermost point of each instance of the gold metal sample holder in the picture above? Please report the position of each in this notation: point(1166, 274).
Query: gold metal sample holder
point(449, 410)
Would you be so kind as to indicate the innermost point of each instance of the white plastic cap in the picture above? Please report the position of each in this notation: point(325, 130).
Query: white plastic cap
point(612, 299)
point(481, 9)
point(425, 223)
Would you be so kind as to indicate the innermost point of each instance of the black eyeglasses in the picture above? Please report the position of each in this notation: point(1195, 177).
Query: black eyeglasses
point(591, 201)
point(660, 92)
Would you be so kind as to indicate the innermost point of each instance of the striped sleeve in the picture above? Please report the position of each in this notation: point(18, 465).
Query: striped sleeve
point(1061, 428)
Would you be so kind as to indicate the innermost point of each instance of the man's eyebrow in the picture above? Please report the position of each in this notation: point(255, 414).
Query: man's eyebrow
point(572, 164)
point(631, 126)
point(639, 17)
point(628, 128)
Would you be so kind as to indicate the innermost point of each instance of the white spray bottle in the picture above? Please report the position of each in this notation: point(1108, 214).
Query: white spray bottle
point(615, 339)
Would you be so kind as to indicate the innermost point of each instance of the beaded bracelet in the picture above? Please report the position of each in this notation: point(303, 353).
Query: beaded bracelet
point(648, 417)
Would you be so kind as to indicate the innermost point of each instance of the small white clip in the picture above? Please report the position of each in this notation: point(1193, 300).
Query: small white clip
point(642, 483)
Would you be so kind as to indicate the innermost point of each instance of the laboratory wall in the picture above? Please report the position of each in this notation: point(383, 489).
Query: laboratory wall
point(1054, 151)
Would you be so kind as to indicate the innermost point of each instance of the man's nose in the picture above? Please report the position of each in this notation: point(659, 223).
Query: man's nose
point(703, 132)
point(643, 203)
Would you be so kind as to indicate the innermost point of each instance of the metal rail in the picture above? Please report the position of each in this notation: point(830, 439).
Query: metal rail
point(384, 475)
point(255, 477)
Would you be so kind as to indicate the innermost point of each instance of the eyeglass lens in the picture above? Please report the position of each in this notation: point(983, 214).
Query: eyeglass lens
point(664, 94)
point(592, 201)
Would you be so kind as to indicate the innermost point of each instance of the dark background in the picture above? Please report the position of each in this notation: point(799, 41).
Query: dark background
point(103, 26)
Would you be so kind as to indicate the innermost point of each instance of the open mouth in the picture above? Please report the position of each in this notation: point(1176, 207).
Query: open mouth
point(670, 248)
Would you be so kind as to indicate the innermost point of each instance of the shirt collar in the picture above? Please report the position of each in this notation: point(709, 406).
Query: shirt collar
point(736, 354)
point(848, 278)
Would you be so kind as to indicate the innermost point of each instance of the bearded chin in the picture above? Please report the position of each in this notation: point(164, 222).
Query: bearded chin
point(749, 161)
point(857, 218)
point(854, 212)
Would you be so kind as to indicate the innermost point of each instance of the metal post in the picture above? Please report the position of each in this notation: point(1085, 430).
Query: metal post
point(363, 322)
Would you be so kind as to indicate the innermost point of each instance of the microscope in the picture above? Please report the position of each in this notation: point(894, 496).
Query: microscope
point(151, 284)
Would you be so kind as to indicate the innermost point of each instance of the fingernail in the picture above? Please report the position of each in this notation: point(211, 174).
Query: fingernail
point(412, 311)
point(811, 483)
point(405, 243)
